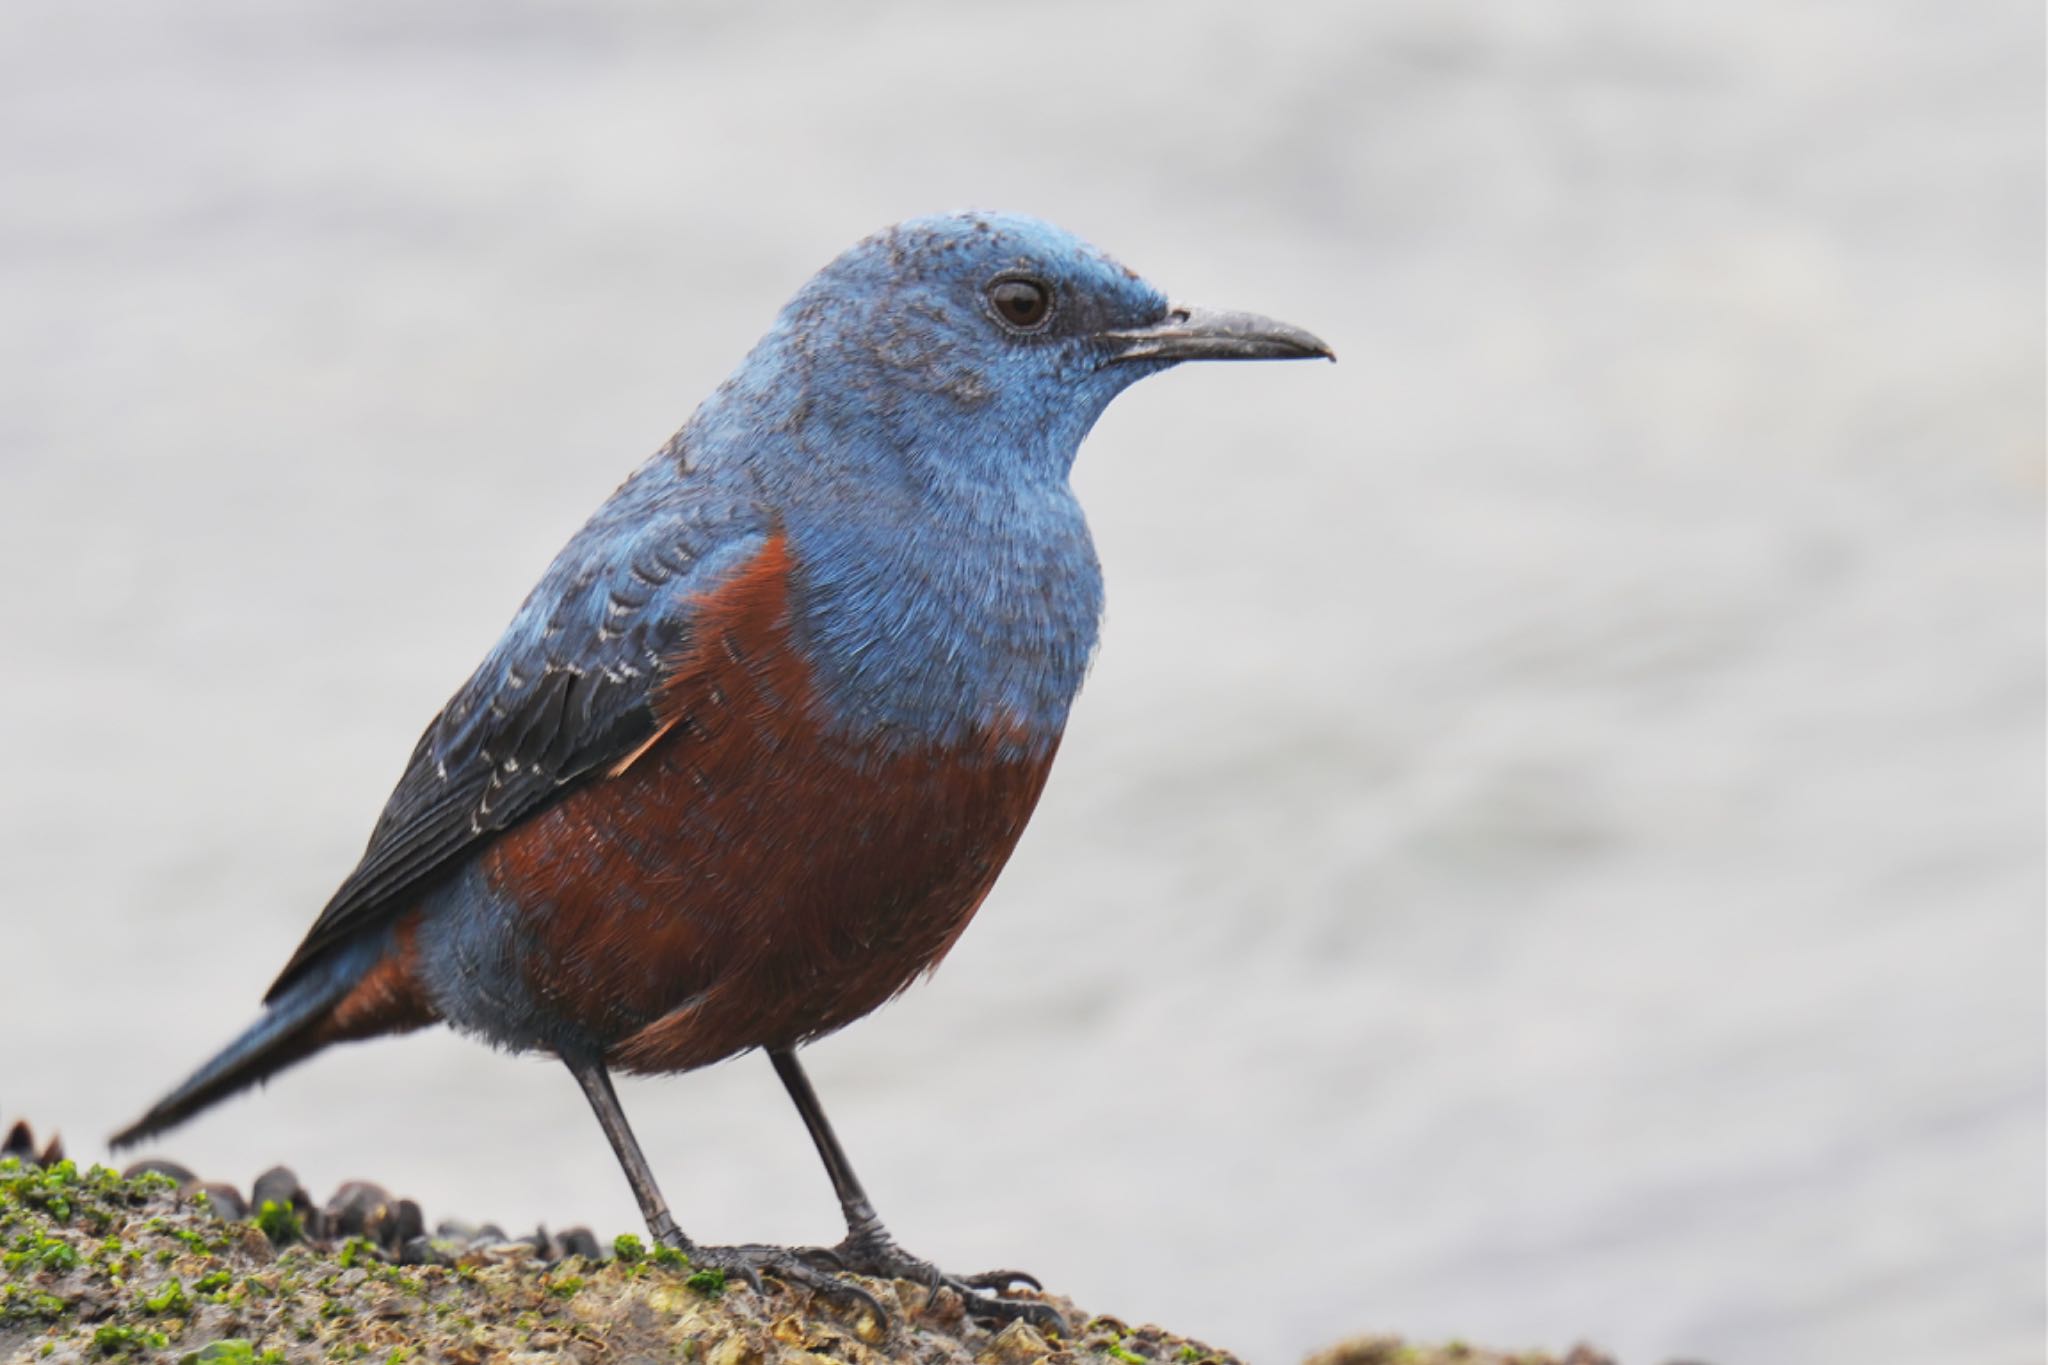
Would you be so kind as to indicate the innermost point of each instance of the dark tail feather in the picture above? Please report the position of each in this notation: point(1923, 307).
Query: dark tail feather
point(287, 1032)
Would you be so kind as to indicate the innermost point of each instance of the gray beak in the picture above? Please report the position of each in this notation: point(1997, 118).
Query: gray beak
point(1203, 334)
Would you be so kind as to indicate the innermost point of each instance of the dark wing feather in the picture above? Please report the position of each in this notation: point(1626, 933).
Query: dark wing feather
point(567, 692)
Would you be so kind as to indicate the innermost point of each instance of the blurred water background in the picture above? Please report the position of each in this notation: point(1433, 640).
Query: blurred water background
point(1553, 845)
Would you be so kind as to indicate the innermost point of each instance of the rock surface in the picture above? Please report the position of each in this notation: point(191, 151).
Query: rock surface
point(98, 1266)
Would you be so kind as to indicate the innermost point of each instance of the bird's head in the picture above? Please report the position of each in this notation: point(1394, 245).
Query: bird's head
point(985, 345)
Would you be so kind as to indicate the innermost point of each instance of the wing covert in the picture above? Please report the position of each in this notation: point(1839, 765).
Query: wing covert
point(567, 692)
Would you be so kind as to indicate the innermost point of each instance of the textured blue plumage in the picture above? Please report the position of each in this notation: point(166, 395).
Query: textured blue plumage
point(918, 457)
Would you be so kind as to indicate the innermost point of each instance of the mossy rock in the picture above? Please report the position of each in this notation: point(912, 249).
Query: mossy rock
point(97, 1268)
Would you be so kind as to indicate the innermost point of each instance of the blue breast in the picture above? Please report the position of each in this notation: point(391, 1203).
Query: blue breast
point(974, 612)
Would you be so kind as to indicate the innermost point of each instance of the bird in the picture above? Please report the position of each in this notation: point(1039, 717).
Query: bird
point(750, 755)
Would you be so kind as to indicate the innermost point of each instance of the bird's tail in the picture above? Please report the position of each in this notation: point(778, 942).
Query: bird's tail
point(293, 1027)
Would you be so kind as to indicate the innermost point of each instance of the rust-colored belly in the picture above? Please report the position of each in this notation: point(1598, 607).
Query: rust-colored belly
point(751, 879)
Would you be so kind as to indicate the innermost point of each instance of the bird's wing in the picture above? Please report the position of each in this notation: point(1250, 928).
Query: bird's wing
point(566, 694)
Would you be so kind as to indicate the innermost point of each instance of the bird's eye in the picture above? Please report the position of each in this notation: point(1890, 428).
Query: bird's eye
point(1023, 304)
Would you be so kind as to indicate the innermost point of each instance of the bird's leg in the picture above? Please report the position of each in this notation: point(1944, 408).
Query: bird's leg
point(604, 1101)
point(748, 1263)
point(868, 1249)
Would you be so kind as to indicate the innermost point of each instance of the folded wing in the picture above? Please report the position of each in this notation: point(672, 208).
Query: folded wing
point(567, 693)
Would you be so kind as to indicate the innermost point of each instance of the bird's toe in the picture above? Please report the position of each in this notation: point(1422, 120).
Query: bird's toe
point(984, 1296)
point(797, 1270)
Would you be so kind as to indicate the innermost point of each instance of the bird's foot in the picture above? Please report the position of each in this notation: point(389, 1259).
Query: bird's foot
point(982, 1295)
point(750, 1264)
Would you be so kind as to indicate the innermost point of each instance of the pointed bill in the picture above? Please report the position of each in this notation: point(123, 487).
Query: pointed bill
point(1207, 334)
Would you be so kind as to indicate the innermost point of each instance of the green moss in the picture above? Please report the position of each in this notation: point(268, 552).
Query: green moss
point(567, 1287)
point(170, 1300)
point(119, 1339)
point(1115, 1351)
point(231, 1351)
point(47, 1190)
point(200, 1242)
point(137, 1188)
point(708, 1282)
point(398, 1279)
point(35, 1250)
point(280, 1223)
point(21, 1303)
point(629, 1249)
point(668, 1256)
point(356, 1250)
point(113, 1258)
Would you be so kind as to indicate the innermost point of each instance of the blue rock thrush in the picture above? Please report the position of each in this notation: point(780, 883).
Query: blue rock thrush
point(752, 753)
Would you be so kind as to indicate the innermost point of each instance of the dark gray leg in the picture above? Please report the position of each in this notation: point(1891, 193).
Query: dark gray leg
point(868, 1248)
point(862, 1224)
point(597, 1088)
point(747, 1263)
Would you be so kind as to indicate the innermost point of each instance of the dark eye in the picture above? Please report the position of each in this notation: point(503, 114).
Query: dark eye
point(1024, 304)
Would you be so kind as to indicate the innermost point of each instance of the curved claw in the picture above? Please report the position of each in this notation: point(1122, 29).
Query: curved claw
point(832, 1287)
point(827, 1258)
point(1034, 1311)
point(999, 1280)
point(739, 1266)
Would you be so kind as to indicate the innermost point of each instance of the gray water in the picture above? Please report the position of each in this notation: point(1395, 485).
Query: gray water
point(1553, 845)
